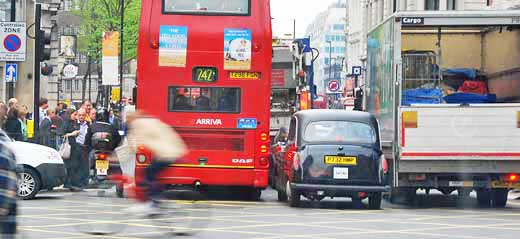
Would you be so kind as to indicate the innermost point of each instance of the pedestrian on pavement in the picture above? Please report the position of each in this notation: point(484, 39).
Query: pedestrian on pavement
point(68, 128)
point(62, 110)
point(12, 103)
point(47, 133)
point(22, 117)
point(92, 115)
point(57, 121)
point(44, 105)
point(114, 120)
point(87, 106)
point(3, 114)
point(7, 191)
point(79, 152)
point(13, 127)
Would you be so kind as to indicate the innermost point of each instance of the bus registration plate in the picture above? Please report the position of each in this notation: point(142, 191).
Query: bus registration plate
point(244, 75)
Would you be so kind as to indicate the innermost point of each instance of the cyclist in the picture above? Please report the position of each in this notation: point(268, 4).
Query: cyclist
point(165, 145)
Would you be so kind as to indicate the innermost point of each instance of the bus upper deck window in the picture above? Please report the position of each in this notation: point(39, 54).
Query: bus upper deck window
point(207, 7)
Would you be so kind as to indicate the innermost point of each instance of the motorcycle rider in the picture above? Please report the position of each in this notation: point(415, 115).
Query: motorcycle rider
point(101, 135)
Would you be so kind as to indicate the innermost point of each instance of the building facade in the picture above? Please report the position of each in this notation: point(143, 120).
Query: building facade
point(327, 34)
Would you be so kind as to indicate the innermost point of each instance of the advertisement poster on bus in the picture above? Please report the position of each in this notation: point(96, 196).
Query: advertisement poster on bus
point(173, 45)
point(237, 49)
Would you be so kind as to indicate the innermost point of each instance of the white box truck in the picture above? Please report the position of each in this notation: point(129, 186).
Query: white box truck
point(445, 86)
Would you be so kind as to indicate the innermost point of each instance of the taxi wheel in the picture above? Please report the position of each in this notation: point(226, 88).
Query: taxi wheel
point(484, 197)
point(374, 201)
point(500, 197)
point(292, 195)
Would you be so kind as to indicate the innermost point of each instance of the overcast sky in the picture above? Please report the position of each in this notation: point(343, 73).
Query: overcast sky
point(304, 11)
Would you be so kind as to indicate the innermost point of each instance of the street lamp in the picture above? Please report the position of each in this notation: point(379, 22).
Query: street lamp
point(122, 4)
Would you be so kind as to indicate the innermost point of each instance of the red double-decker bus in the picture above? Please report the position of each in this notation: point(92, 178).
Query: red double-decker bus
point(205, 68)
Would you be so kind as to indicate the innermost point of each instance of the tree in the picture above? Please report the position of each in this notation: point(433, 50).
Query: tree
point(99, 16)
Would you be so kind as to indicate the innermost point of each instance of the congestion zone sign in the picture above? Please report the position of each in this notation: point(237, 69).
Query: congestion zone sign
point(13, 38)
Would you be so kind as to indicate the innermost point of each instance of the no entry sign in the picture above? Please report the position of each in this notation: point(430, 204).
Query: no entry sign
point(13, 38)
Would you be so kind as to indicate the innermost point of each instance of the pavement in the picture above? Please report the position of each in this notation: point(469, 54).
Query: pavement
point(65, 215)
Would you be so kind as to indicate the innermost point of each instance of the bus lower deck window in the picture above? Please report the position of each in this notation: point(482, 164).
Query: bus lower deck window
point(202, 7)
point(204, 99)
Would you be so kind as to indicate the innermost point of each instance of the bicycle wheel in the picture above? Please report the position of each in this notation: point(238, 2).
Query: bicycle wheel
point(102, 212)
point(182, 213)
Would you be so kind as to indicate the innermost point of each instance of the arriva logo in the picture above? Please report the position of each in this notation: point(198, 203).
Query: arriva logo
point(209, 122)
point(242, 161)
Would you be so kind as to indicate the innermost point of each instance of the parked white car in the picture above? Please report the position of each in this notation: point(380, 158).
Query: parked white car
point(38, 168)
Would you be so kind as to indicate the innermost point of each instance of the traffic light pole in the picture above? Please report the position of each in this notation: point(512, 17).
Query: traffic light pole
point(121, 51)
point(10, 90)
point(37, 56)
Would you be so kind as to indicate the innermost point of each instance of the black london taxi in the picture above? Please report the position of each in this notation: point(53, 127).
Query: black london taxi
point(331, 153)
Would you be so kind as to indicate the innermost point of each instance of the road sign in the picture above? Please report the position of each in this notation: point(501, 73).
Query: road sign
point(70, 71)
point(13, 41)
point(10, 72)
point(334, 86)
point(356, 70)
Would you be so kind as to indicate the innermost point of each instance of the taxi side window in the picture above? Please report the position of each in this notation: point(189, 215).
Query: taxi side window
point(292, 130)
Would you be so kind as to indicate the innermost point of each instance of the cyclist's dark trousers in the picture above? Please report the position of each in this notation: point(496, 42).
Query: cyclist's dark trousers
point(151, 177)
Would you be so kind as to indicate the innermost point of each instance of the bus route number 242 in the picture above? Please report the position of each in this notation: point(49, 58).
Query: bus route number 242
point(205, 74)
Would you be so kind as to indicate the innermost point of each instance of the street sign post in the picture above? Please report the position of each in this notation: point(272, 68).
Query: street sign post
point(11, 71)
point(70, 71)
point(334, 87)
point(356, 70)
point(13, 41)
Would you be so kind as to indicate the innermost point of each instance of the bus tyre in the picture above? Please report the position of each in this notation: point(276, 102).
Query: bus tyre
point(374, 201)
point(293, 196)
point(255, 194)
point(500, 197)
point(282, 196)
point(484, 198)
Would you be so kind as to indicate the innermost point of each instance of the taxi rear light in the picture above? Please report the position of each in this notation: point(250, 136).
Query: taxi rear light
point(102, 156)
point(417, 177)
point(384, 164)
point(362, 195)
point(263, 149)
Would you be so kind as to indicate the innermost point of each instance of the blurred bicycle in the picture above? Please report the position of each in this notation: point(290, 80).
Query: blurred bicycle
point(179, 211)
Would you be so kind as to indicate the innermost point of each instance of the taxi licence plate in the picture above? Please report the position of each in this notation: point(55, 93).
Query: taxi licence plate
point(244, 75)
point(102, 164)
point(341, 160)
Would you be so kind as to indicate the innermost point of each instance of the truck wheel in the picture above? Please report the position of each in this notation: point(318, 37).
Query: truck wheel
point(484, 198)
point(374, 201)
point(292, 195)
point(500, 198)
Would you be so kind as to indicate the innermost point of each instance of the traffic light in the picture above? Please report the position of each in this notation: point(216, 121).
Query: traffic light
point(43, 45)
point(46, 69)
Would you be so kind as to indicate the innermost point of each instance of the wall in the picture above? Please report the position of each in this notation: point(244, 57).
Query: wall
point(457, 50)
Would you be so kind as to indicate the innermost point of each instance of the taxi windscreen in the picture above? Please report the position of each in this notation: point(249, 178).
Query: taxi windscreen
point(339, 132)
point(207, 7)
